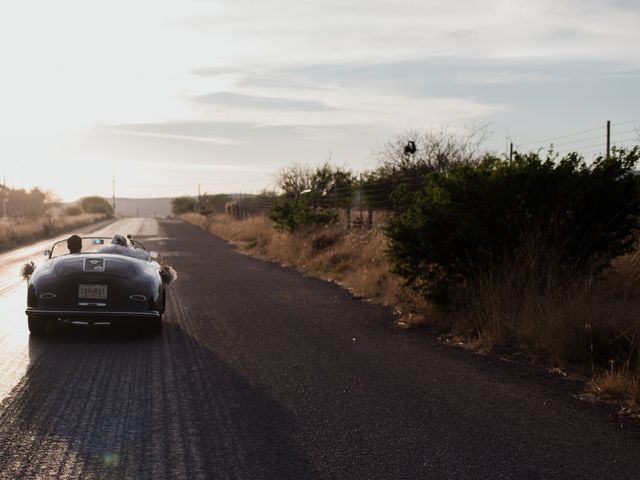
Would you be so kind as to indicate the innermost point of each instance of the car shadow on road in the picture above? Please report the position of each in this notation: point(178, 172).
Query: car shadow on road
point(96, 404)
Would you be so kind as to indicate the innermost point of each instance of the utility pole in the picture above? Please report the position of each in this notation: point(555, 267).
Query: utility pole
point(360, 196)
point(113, 188)
point(5, 195)
point(608, 138)
point(511, 151)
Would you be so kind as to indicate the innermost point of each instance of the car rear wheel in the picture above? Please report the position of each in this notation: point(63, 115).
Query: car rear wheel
point(38, 325)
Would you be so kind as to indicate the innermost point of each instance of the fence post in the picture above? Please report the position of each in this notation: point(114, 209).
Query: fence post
point(360, 196)
point(393, 189)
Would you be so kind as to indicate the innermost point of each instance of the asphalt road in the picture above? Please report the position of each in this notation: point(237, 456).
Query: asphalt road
point(261, 373)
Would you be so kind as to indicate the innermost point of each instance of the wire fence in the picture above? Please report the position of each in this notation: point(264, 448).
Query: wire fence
point(368, 202)
point(360, 205)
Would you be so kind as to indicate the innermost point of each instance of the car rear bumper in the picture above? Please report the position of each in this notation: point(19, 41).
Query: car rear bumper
point(91, 315)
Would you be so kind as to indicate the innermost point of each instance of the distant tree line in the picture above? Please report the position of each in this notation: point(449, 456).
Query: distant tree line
point(21, 204)
point(235, 205)
point(204, 204)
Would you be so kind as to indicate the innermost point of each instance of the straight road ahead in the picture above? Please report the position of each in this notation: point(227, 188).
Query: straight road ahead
point(261, 373)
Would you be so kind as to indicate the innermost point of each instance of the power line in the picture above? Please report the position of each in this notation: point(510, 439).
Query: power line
point(586, 147)
point(550, 140)
point(574, 134)
point(625, 122)
point(573, 142)
point(633, 130)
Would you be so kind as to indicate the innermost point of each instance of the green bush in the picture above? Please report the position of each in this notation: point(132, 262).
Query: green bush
point(377, 188)
point(473, 216)
point(184, 204)
point(96, 205)
point(311, 197)
point(291, 214)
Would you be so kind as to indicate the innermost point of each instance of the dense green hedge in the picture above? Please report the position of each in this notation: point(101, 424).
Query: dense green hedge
point(473, 215)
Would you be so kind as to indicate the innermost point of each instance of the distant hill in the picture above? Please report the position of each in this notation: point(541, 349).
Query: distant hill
point(143, 207)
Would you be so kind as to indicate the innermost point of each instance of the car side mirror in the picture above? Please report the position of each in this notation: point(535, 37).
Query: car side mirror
point(47, 253)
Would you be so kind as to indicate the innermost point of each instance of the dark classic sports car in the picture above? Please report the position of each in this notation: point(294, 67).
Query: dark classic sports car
point(101, 285)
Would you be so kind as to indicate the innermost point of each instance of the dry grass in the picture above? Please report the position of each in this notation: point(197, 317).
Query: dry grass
point(620, 386)
point(591, 324)
point(16, 232)
point(587, 323)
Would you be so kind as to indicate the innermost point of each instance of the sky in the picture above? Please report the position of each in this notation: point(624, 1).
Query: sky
point(218, 95)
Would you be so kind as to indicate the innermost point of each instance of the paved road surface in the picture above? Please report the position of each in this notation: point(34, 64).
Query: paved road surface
point(261, 373)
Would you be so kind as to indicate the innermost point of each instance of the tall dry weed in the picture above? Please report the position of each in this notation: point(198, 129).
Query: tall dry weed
point(619, 385)
point(563, 317)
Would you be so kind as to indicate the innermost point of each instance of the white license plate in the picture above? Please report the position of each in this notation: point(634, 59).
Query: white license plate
point(94, 292)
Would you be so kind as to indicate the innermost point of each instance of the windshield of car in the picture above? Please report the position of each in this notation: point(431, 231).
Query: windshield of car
point(89, 245)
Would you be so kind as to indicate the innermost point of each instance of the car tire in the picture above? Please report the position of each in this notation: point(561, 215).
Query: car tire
point(38, 326)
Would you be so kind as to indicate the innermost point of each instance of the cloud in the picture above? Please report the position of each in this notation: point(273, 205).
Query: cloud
point(273, 81)
point(399, 74)
point(358, 105)
point(286, 31)
point(237, 100)
point(206, 168)
point(214, 71)
point(172, 136)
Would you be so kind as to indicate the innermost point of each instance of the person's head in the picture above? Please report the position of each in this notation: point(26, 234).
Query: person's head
point(74, 244)
point(119, 240)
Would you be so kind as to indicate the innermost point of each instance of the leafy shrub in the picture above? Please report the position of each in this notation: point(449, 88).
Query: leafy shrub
point(311, 197)
point(291, 214)
point(96, 205)
point(184, 204)
point(474, 215)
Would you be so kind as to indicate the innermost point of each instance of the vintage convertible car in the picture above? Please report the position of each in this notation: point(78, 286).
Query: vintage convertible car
point(94, 287)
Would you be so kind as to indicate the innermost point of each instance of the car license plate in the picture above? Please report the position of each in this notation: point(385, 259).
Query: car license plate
point(95, 292)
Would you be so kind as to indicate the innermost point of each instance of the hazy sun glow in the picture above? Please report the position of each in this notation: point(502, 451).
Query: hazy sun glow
point(222, 94)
